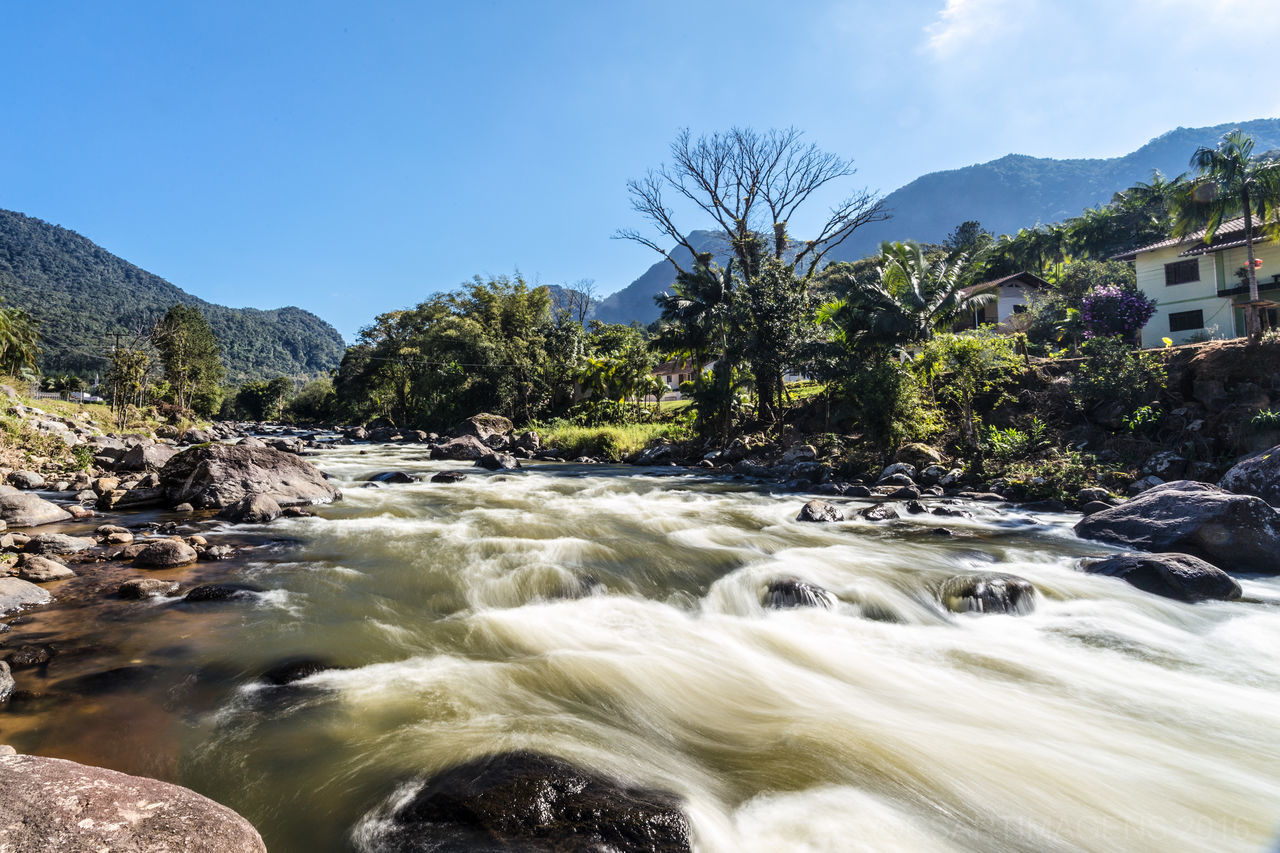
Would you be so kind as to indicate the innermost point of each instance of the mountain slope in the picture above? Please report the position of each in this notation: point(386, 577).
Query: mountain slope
point(1013, 192)
point(82, 296)
point(1017, 191)
point(635, 301)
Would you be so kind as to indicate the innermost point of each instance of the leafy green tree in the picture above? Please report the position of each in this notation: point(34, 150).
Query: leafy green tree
point(957, 369)
point(911, 298)
point(190, 356)
point(19, 341)
point(264, 401)
point(314, 402)
point(129, 378)
point(1231, 182)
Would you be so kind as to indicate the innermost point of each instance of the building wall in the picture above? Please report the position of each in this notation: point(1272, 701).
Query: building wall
point(1217, 272)
point(1010, 295)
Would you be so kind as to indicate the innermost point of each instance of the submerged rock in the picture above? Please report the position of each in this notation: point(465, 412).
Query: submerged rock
point(220, 592)
point(526, 801)
point(295, 669)
point(1177, 576)
point(448, 477)
point(50, 804)
point(498, 462)
point(988, 592)
point(816, 510)
point(793, 592)
point(1233, 532)
point(139, 588)
point(391, 477)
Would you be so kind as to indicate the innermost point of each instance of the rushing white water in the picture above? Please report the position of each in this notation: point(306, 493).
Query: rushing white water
point(614, 619)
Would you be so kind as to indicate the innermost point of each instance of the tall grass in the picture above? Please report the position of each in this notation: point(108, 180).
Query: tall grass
point(612, 442)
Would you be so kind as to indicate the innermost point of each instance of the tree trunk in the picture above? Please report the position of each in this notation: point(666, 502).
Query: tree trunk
point(1253, 313)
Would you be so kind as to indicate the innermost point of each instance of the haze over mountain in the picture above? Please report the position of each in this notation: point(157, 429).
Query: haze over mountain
point(1006, 194)
point(82, 296)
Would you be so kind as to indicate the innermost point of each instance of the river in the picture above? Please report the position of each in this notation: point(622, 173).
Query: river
point(612, 617)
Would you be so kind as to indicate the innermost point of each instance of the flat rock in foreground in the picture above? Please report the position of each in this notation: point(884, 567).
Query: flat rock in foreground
point(16, 594)
point(1239, 533)
point(50, 804)
point(218, 475)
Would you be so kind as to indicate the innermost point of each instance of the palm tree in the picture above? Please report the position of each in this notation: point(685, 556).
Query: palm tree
point(1231, 182)
point(911, 298)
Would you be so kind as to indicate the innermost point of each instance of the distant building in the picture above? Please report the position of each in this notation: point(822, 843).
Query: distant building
point(1199, 288)
point(675, 371)
point(1013, 296)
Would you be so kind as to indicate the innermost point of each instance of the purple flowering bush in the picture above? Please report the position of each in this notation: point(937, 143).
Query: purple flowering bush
point(1109, 310)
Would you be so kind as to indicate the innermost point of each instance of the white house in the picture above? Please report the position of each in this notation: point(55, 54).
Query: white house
point(1198, 287)
point(1013, 296)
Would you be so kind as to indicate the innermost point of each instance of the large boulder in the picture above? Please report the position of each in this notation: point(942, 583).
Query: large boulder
point(16, 594)
point(1233, 532)
point(1257, 475)
point(218, 475)
point(57, 543)
point(466, 447)
point(27, 510)
point(26, 480)
point(52, 804)
point(484, 425)
point(37, 569)
point(525, 801)
point(1178, 576)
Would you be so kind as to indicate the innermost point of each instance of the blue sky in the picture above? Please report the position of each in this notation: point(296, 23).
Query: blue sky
point(355, 158)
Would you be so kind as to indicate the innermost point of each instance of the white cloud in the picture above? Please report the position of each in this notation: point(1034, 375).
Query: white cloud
point(964, 23)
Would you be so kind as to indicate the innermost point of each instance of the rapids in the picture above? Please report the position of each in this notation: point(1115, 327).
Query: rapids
point(612, 617)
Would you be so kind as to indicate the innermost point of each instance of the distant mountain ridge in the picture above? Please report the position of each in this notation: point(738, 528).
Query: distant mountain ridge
point(82, 295)
point(1012, 192)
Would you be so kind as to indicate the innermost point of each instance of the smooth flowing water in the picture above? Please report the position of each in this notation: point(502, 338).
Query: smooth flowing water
point(613, 617)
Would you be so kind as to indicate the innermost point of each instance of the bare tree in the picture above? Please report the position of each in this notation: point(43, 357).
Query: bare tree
point(580, 299)
point(751, 184)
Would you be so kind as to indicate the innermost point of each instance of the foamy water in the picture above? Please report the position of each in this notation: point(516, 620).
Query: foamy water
point(614, 619)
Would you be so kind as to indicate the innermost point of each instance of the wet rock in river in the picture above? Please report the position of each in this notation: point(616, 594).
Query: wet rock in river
point(463, 448)
point(140, 588)
point(27, 510)
point(16, 594)
point(215, 553)
point(295, 669)
point(1177, 576)
point(820, 511)
point(448, 477)
point(30, 656)
point(6, 681)
point(38, 569)
point(252, 509)
point(164, 554)
point(498, 462)
point(56, 543)
point(988, 592)
point(879, 512)
point(220, 592)
point(52, 804)
point(391, 477)
point(526, 801)
point(793, 592)
point(1233, 532)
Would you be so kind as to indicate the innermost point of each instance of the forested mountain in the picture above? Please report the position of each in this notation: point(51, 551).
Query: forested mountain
point(82, 296)
point(1012, 192)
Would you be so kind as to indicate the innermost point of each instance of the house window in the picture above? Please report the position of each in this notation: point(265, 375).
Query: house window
point(1182, 272)
point(1185, 321)
point(1019, 309)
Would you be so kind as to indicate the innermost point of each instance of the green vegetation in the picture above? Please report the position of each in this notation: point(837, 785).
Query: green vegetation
point(189, 355)
point(609, 442)
point(81, 297)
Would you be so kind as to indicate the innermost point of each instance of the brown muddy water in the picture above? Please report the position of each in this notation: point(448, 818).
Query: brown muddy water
point(612, 617)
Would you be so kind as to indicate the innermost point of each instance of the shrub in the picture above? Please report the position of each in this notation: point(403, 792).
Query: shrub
point(1267, 419)
point(1145, 419)
point(1114, 371)
point(1112, 310)
point(1011, 444)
